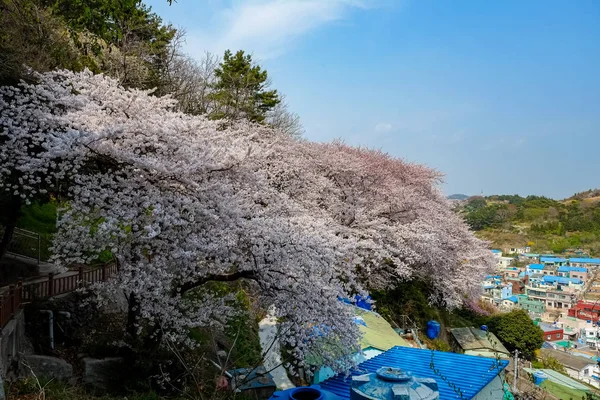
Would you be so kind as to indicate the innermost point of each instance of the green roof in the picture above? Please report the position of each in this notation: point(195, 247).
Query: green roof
point(378, 333)
point(475, 340)
point(560, 379)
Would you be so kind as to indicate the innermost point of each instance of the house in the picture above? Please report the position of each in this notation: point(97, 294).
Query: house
point(497, 253)
point(509, 303)
point(572, 272)
point(585, 310)
point(530, 305)
point(584, 262)
point(580, 368)
point(552, 333)
point(477, 378)
point(553, 261)
point(531, 256)
point(534, 268)
point(502, 291)
point(504, 262)
point(549, 269)
point(518, 250)
point(477, 342)
point(556, 292)
point(518, 284)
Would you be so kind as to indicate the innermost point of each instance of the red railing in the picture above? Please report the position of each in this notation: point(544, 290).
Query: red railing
point(12, 299)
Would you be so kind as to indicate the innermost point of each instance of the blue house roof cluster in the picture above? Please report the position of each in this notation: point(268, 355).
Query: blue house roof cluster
point(552, 259)
point(470, 374)
point(565, 268)
point(585, 260)
point(561, 280)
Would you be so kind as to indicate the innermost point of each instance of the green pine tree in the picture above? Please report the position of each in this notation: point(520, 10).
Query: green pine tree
point(241, 90)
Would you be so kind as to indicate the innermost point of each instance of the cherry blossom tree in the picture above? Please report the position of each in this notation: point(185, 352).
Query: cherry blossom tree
point(180, 201)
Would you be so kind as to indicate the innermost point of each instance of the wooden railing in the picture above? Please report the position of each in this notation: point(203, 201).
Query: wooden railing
point(12, 299)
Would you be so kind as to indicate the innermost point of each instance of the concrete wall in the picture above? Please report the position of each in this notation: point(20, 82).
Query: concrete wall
point(12, 341)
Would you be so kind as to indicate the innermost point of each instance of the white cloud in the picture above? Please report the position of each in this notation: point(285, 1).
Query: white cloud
point(266, 28)
point(383, 127)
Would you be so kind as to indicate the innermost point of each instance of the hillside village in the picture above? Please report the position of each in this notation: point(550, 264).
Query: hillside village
point(170, 230)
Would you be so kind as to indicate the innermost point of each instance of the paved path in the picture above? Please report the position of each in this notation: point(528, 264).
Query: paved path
point(267, 331)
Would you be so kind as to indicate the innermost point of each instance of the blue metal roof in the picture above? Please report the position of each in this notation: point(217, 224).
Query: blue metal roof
point(552, 259)
point(469, 373)
point(561, 280)
point(496, 251)
point(585, 260)
point(565, 268)
point(535, 266)
point(514, 299)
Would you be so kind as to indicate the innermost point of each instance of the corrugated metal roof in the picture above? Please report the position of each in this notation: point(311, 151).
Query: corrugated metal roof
point(552, 259)
point(565, 268)
point(535, 266)
point(469, 373)
point(561, 379)
point(585, 260)
point(477, 339)
point(566, 359)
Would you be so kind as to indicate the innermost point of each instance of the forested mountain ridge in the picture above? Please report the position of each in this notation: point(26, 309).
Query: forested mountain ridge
point(545, 224)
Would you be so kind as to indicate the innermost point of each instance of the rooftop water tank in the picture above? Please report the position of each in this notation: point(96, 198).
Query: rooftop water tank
point(313, 392)
point(433, 329)
point(393, 384)
point(539, 377)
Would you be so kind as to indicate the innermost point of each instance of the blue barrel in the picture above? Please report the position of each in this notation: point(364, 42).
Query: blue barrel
point(539, 377)
point(313, 392)
point(433, 329)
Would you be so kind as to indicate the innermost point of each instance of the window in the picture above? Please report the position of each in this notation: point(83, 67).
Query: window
point(586, 371)
point(557, 336)
point(549, 337)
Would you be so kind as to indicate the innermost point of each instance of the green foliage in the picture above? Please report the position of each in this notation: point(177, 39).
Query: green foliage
point(241, 330)
point(549, 363)
point(556, 226)
point(241, 89)
point(517, 331)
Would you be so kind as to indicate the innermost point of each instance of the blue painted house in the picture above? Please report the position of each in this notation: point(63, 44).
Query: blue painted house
point(553, 261)
point(584, 262)
point(475, 377)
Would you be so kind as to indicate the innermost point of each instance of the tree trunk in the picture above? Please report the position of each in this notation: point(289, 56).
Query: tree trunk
point(133, 312)
point(12, 216)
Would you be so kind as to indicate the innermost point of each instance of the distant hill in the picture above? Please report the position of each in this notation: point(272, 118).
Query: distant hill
point(458, 197)
point(546, 225)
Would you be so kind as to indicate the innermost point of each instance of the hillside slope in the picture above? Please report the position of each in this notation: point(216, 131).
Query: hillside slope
point(546, 225)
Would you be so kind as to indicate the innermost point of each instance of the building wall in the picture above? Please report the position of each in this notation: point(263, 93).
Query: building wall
point(553, 336)
point(583, 376)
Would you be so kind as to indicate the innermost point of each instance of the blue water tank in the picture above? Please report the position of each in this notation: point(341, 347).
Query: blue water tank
point(484, 328)
point(433, 329)
point(393, 384)
point(313, 392)
point(539, 377)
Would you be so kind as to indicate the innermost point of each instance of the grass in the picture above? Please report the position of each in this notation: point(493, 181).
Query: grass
point(29, 389)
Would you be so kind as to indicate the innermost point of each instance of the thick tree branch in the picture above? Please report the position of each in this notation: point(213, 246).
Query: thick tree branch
point(218, 278)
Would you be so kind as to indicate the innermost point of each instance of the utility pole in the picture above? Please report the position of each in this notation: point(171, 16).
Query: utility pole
point(516, 374)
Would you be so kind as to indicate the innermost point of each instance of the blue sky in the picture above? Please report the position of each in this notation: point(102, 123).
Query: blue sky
point(500, 96)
